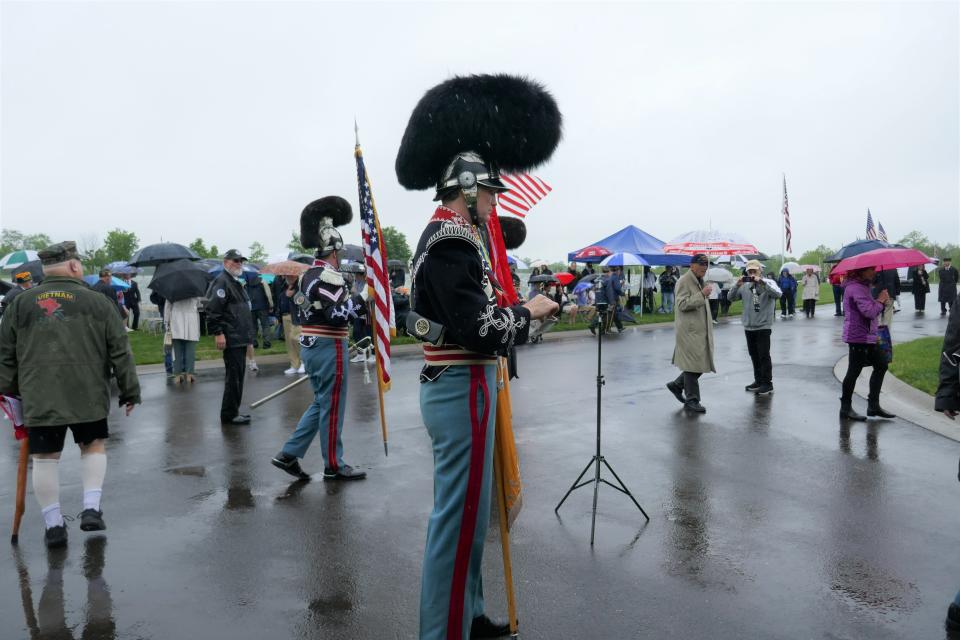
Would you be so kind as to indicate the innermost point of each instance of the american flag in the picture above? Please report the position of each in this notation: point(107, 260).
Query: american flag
point(871, 232)
point(786, 216)
point(378, 279)
point(881, 234)
point(525, 191)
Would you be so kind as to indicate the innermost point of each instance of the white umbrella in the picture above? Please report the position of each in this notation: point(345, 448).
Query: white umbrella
point(792, 267)
point(711, 242)
point(718, 275)
point(539, 263)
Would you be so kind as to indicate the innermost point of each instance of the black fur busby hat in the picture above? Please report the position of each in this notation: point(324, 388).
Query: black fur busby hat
point(514, 232)
point(512, 123)
point(318, 222)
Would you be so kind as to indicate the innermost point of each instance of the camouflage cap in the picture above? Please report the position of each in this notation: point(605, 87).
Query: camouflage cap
point(60, 252)
point(23, 276)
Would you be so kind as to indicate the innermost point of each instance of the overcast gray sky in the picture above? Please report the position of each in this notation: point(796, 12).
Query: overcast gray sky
point(223, 119)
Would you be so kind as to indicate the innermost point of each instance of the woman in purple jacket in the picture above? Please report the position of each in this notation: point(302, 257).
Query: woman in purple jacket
point(860, 333)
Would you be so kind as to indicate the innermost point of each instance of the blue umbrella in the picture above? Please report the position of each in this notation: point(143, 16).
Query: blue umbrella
point(583, 286)
point(855, 248)
point(115, 282)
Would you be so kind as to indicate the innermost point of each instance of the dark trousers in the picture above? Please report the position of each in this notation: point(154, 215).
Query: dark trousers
point(809, 307)
point(714, 308)
point(920, 301)
point(690, 383)
point(864, 355)
point(233, 362)
point(788, 303)
point(945, 306)
point(612, 315)
point(261, 325)
point(758, 345)
point(648, 301)
point(135, 310)
point(838, 299)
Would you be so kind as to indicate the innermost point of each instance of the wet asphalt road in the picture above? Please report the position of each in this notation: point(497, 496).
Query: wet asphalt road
point(768, 518)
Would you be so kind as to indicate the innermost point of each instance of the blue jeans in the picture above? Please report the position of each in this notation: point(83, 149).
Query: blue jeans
point(667, 301)
point(458, 410)
point(326, 364)
point(168, 359)
point(184, 353)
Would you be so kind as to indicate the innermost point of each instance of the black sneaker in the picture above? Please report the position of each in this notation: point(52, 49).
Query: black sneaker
point(346, 472)
point(753, 386)
point(765, 389)
point(91, 520)
point(676, 390)
point(593, 329)
point(55, 537)
point(290, 464)
point(694, 406)
point(484, 627)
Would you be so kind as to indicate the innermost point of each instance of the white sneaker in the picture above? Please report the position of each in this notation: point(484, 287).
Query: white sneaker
point(290, 371)
point(301, 369)
point(357, 358)
point(252, 365)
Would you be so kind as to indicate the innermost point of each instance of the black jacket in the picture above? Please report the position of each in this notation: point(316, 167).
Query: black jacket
point(131, 298)
point(948, 392)
point(258, 295)
point(947, 291)
point(332, 305)
point(228, 311)
point(451, 286)
point(106, 289)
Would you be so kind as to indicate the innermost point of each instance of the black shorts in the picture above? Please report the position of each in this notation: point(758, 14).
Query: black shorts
point(50, 439)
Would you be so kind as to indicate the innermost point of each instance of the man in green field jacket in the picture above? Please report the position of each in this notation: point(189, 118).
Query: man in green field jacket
point(60, 343)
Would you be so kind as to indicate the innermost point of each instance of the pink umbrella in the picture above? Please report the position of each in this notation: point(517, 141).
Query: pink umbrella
point(710, 242)
point(881, 260)
point(815, 268)
point(593, 251)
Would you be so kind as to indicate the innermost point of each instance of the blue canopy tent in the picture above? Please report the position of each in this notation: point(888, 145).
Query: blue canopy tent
point(630, 239)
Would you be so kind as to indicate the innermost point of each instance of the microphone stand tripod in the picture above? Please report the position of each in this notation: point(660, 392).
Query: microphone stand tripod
point(598, 458)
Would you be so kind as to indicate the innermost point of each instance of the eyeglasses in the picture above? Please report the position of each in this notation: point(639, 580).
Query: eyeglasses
point(236, 260)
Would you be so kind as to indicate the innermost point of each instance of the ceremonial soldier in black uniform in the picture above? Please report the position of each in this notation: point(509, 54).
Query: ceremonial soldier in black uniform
point(326, 310)
point(231, 323)
point(457, 136)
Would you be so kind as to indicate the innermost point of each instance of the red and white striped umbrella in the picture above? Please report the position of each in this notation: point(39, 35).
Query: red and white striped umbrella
point(710, 242)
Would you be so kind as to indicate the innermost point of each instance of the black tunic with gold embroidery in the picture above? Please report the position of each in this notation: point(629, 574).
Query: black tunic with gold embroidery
point(454, 286)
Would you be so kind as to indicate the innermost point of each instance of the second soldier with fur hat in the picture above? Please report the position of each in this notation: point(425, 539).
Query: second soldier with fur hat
point(458, 136)
point(326, 309)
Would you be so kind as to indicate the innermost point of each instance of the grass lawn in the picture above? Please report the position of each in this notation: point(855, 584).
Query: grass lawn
point(918, 363)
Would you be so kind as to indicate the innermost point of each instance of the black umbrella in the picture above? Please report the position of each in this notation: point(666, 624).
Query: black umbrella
point(544, 278)
point(352, 252)
point(395, 264)
point(35, 267)
point(179, 280)
point(855, 248)
point(5, 286)
point(156, 254)
point(303, 258)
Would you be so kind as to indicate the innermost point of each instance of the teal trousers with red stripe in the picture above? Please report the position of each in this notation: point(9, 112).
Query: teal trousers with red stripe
point(458, 410)
point(326, 364)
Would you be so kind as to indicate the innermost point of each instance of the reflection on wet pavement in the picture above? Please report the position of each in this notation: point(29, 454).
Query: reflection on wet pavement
point(769, 519)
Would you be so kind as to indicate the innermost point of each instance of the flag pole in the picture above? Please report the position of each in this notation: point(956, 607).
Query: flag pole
point(783, 230)
point(504, 528)
point(371, 312)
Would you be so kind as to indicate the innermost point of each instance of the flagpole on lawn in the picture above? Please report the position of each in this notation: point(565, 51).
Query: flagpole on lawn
point(372, 314)
point(783, 229)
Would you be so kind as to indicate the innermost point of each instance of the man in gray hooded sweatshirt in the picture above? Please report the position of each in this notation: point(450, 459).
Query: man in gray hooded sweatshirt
point(759, 297)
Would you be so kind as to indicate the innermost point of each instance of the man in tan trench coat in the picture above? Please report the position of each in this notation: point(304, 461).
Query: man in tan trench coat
point(693, 353)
